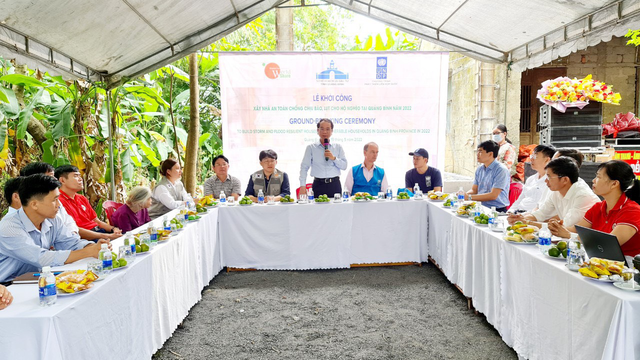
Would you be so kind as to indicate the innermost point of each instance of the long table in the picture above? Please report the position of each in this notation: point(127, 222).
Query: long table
point(129, 314)
point(539, 308)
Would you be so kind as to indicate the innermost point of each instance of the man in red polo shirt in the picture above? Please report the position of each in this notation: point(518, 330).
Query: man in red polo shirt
point(89, 226)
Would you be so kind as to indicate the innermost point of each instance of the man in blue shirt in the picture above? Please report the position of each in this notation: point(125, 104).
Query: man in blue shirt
point(427, 177)
point(325, 160)
point(367, 177)
point(34, 236)
point(492, 179)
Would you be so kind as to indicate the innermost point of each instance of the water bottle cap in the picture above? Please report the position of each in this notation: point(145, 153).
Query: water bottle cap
point(46, 269)
point(104, 246)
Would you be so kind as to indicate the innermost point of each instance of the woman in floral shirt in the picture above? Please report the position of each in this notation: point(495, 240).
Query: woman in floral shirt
point(507, 153)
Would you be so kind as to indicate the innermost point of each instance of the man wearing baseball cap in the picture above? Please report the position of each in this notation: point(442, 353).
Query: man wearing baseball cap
point(427, 177)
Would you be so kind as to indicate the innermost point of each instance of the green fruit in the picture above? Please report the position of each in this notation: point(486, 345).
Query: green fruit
point(138, 249)
point(561, 245)
point(554, 252)
point(144, 248)
point(191, 217)
point(122, 262)
point(137, 241)
point(564, 253)
point(485, 221)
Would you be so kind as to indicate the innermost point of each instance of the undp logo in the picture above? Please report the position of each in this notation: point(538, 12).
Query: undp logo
point(272, 70)
point(381, 67)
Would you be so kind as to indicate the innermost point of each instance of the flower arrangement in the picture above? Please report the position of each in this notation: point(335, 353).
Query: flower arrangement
point(564, 92)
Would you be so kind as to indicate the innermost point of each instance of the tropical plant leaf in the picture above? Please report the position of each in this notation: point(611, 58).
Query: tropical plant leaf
point(25, 116)
point(62, 127)
point(203, 138)
point(48, 151)
point(127, 166)
point(23, 80)
point(11, 108)
point(146, 93)
point(180, 98)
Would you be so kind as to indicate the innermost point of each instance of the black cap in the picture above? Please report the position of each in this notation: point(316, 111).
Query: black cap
point(420, 152)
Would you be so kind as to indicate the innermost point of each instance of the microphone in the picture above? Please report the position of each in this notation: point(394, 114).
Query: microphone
point(326, 146)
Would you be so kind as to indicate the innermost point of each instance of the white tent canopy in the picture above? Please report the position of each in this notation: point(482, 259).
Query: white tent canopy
point(119, 39)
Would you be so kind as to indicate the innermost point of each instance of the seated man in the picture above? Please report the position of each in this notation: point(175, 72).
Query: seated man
point(222, 181)
point(34, 237)
point(44, 168)
point(569, 199)
point(11, 195)
point(535, 188)
point(427, 177)
point(89, 226)
point(367, 177)
point(270, 180)
point(492, 179)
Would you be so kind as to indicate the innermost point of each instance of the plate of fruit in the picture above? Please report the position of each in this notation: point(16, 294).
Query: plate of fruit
point(322, 199)
point(521, 234)
point(246, 201)
point(403, 196)
point(207, 201)
point(287, 200)
point(437, 196)
point(362, 197)
point(604, 270)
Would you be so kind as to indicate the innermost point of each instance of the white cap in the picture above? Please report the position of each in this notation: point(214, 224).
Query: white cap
point(545, 226)
point(104, 246)
point(46, 269)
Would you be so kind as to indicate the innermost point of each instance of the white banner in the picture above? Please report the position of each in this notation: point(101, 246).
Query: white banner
point(273, 101)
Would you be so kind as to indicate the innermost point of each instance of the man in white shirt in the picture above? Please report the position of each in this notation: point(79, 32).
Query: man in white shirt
point(535, 188)
point(569, 200)
point(368, 177)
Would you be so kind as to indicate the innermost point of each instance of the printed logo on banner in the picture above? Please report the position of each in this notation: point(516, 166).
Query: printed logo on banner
point(381, 67)
point(273, 71)
point(332, 74)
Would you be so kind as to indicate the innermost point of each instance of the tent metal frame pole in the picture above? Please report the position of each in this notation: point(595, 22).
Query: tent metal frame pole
point(111, 166)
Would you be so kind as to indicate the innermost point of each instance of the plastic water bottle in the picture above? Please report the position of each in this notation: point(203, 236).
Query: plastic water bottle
point(260, 197)
point(460, 196)
point(223, 198)
point(107, 261)
point(573, 253)
point(153, 235)
point(544, 238)
point(493, 219)
point(128, 242)
point(416, 190)
point(345, 196)
point(310, 195)
point(166, 225)
point(389, 193)
point(47, 287)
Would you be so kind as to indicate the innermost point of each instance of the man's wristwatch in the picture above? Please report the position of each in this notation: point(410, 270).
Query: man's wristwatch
point(470, 198)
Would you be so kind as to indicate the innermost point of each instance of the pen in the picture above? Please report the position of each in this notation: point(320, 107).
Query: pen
point(54, 273)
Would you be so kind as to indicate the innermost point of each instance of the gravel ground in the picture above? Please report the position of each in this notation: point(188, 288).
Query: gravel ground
point(402, 312)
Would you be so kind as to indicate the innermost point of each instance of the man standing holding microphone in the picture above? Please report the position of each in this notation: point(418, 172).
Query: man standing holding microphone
point(325, 160)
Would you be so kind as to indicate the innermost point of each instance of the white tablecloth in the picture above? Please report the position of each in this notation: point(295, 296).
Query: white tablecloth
point(539, 308)
point(129, 315)
point(323, 236)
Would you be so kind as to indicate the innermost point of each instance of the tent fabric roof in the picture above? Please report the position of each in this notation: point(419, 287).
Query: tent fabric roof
point(119, 39)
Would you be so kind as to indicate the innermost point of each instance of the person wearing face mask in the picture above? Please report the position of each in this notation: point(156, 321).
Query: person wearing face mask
point(325, 162)
point(508, 153)
point(270, 180)
point(170, 193)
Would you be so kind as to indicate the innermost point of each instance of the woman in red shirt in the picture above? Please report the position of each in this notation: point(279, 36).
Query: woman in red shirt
point(619, 213)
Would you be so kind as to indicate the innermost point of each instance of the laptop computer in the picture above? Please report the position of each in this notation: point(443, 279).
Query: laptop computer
point(600, 244)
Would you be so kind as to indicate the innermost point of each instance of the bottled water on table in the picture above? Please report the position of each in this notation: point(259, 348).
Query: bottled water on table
point(223, 198)
point(460, 195)
point(131, 243)
point(107, 261)
point(260, 197)
point(47, 287)
point(416, 190)
point(575, 254)
point(310, 195)
point(544, 238)
point(166, 224)
point(389, 194)
point(493, 218)
point(153, 235)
